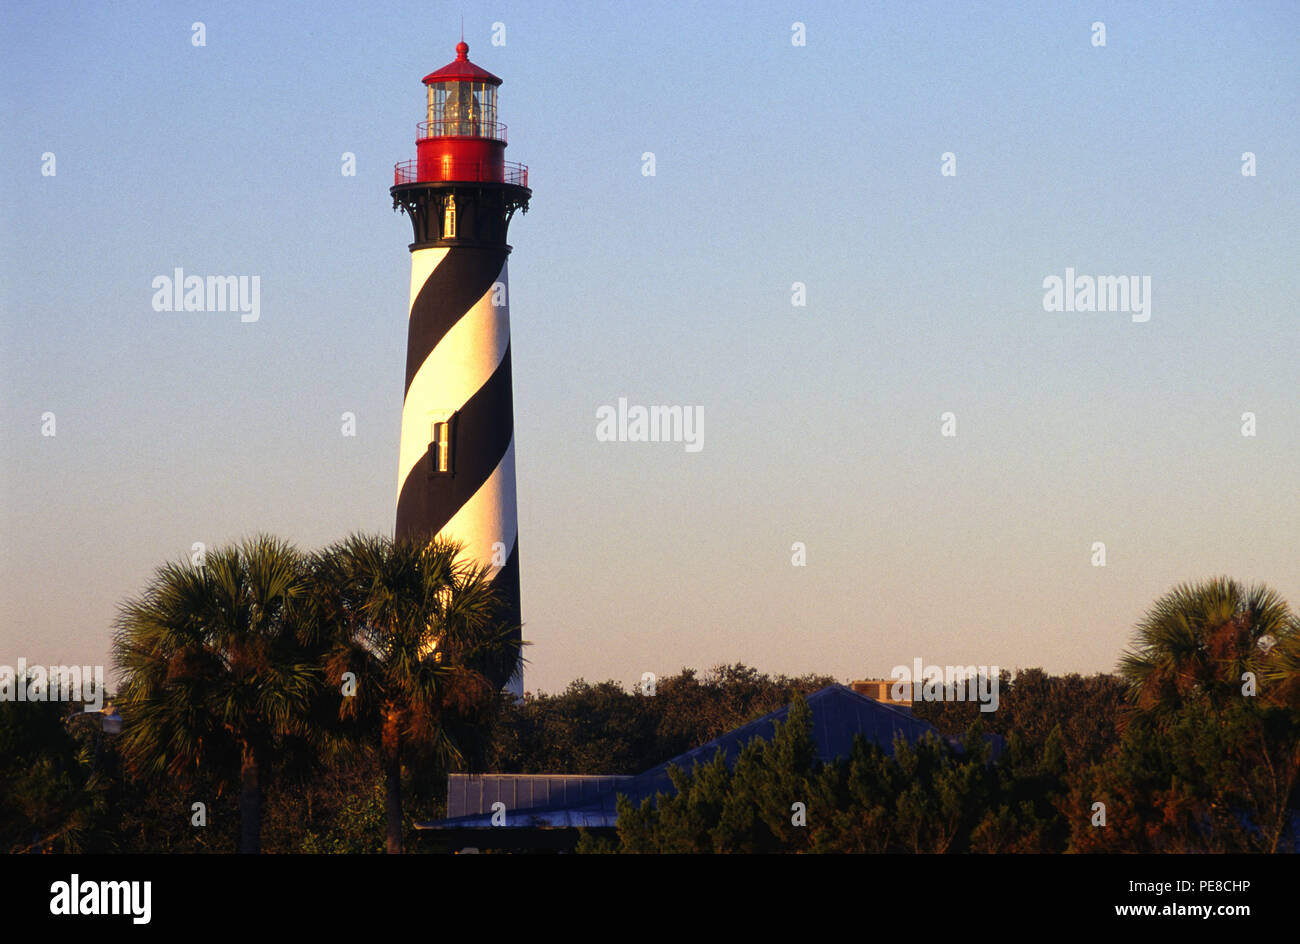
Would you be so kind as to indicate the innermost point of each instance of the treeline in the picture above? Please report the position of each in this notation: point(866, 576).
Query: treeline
point(1033, 704)
point(602, 728)
point(1071, 742)
point(926, 798)
point(940, 795)
point(1212, 783)
point(66, 786)
point(1194, 745)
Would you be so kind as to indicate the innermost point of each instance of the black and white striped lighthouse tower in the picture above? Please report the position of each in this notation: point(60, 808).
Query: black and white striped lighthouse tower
point(456, 472)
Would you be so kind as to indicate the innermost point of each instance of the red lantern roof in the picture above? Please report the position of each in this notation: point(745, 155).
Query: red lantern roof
point(461, 70)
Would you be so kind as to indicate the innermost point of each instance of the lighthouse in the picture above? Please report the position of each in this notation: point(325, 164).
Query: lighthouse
point(456, 468)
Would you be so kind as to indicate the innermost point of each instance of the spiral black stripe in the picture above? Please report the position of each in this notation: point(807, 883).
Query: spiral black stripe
point(459, 280)
point(507, 583)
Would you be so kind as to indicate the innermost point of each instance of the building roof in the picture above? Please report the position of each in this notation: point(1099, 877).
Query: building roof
point(461, 69)
point(469, 794)
point(838, 715)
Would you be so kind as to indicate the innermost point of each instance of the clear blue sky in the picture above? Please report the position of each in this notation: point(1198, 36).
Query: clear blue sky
point(774, 164)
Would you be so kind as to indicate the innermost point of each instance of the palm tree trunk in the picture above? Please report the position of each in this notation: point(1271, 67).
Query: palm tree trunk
point(250, 802)
point(393, 783)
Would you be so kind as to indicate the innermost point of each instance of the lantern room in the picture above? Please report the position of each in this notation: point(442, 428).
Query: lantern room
point(460, 190)
point(461, 139)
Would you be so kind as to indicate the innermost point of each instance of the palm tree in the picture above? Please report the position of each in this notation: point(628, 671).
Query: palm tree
point(1198, 640)
point(425, 638)
point(1281, 658)
point(216, 669)
point(1216, 760)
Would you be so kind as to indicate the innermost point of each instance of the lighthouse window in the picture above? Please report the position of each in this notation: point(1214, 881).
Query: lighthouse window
point(440, 455)
point(462, 108)
point(449, 219)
